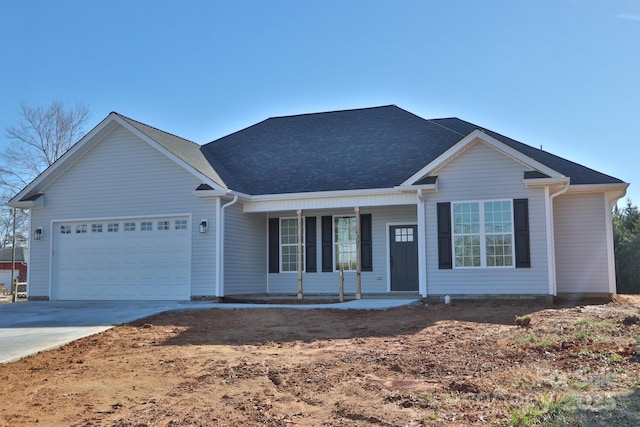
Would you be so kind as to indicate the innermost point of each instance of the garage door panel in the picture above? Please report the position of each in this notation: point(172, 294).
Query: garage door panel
point(123, 259)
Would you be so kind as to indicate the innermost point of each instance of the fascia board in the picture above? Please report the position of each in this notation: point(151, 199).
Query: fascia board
point(205, 179)
point(31, 204)
point(323, 194)
point(598, 188)
point(429, 188)
point(205, 194)
point(69, 158)
point(466, 142)
point(545, 182)
point(328, 200)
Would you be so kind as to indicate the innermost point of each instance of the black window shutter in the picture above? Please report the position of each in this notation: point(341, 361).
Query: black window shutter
point(521, 230)
point(445, 259)
point(310, 245)
point(327, 243)
point(274, 245)
point(366, 243)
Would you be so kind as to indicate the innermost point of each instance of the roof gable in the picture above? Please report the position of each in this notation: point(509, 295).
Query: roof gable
point(579, 174)
point(471, 139)
point(186, 153)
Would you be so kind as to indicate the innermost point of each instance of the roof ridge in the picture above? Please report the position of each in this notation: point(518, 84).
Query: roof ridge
point(434, 121)
point(154, 128)
point(333, 111)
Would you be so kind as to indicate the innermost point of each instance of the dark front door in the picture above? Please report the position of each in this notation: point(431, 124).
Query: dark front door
point(403, 248)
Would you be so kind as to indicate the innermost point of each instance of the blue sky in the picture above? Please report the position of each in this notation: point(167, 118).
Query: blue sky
point(561, 74)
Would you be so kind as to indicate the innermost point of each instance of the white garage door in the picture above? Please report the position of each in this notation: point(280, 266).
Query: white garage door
point(126, 259)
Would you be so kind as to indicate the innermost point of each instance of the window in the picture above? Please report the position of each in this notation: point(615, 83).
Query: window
point(181, 224)
point(483, 234)
point(146, 226)
point(289, 244)
point(129, 226)
point(113, 227)
point(96, 228)
point(404, 235)
point(163, 225)
point(344, 240)
point(81, 228)
point(65, 229)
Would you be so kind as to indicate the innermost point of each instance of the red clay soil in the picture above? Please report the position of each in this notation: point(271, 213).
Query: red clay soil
point(459, 364)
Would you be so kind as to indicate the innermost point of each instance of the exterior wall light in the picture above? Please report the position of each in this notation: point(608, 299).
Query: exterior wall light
point(203, 226)
point(37, 234)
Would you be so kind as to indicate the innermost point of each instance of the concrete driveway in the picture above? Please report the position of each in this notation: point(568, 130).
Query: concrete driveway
point(30, 327)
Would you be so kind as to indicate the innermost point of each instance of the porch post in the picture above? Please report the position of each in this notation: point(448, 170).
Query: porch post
point(358, 257)
point(300, 254)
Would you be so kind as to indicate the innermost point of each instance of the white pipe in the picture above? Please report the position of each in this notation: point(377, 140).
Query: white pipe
point(221, 246)
point(551, 239)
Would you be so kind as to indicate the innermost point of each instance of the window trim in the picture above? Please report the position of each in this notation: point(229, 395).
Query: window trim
point(482, 235)
point(281, 245)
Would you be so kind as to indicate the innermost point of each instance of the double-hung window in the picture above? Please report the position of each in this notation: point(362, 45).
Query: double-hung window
point(344, 240)
point(483, 234)
point(289, 244)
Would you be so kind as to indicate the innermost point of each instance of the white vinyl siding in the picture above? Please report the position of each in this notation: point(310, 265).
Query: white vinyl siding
point(483, 173)
point(110, 181)
point(245, 255)
point(581, 243)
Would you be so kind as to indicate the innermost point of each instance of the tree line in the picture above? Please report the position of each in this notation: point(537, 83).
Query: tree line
point(626, 241)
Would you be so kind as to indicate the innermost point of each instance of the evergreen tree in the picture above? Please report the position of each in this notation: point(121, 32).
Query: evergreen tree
point(626, 240)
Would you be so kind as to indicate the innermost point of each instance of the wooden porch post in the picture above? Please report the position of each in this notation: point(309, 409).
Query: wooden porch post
point(300, 254)
point(358, 257)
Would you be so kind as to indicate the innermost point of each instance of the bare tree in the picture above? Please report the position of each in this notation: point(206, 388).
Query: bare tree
point(42, 135)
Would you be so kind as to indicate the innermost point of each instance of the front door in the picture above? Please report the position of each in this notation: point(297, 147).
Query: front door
point(403, 262)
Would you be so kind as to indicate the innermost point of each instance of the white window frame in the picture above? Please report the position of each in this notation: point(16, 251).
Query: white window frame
point(335, 243)
point(482, 234)
point(289, 245)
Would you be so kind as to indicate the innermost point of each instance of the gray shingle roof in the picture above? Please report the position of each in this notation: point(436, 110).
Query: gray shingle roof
point(378, 147)
point(182, 148)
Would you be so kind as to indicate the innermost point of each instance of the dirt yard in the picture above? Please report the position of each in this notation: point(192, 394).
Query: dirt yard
point(442, 365)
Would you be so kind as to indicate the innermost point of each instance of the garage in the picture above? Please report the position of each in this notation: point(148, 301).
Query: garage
point(122, 259)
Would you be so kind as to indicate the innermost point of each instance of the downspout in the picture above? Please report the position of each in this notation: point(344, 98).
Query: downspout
point(422, 272)
point(221, 245)
point(551, 239)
